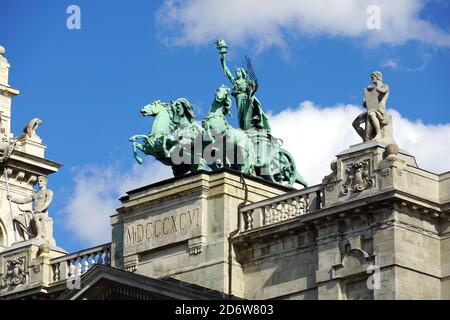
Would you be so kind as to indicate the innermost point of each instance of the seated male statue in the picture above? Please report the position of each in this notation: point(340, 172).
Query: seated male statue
point(378, 123)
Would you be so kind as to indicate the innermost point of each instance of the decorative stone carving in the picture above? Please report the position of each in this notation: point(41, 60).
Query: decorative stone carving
point(391, 151)
point(358, 178)
point(248, 220)
point(195, 245)
point(6, 149)
point(42, 224)
point(15, 272)
point(285, 209)
point(6, 145)
point(131, 264)
point(3, 129)
point(29, 131)
point(37, 268)
point(27, 179)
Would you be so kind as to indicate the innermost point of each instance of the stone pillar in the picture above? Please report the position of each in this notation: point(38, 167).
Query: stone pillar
point(329, 255)
point(6, 95)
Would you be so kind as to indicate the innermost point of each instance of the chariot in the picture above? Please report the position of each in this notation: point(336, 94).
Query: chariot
point(272, 162)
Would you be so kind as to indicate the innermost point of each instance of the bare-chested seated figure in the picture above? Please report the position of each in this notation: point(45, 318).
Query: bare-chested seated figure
point(378, 123)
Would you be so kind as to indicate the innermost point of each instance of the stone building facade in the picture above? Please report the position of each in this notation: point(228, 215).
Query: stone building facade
point(377, 227)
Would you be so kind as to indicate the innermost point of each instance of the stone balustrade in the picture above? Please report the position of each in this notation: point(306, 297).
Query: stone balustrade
point(78, 263)
point(281, 208)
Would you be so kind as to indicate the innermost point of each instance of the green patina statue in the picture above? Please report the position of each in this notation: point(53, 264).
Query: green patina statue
point(250, 113)
point(178, 141)
point(174, 132)
point(228, 146)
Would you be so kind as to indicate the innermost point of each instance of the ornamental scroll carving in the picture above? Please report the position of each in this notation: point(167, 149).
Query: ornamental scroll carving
point(358, 178)
point(15, 273)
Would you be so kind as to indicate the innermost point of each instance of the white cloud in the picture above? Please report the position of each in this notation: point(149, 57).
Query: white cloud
point(314, 135)
point(272, 22)
point(424, 59)
point(96, 193)
point(428, 143)
point(390, 63)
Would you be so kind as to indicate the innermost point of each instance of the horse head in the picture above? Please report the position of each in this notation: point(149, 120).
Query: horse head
point(152, 109)
point(223, 98)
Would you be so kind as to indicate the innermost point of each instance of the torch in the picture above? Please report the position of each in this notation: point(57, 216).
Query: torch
point(221, 45)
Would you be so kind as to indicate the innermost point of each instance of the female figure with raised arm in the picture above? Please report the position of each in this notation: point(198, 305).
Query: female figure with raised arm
point(250, 113)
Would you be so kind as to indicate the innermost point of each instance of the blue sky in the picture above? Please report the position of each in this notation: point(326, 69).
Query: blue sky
point(89, 84)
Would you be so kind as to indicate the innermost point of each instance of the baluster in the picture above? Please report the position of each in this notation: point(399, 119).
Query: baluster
point(245, 219)
point(107, 257)
point(78, 266)
point(267, 215)
point(296, 206)
point(274, 212)
point(99, 257)
point(306, 202)
point(300, 205)
point(321, 198)
point(284, 215)
point(290, 205)
point(56, 272)
point(277, 212)
point(93, 262)
point(103, 257)
point(71, 268)
point(249, 220)
point(85, 263)
point(303, 205)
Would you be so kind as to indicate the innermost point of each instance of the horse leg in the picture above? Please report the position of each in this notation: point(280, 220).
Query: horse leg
point(248, 166)
point(137, 146)
point(244, 160)
point(210, 140)
point(198, 163)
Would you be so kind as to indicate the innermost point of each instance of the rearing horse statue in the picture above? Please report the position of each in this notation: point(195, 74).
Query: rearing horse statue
point(226, 146)
point(163, 140)
point(155, 143)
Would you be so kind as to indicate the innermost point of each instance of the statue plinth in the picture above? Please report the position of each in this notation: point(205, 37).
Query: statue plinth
point(26, 266)
point(34, 147)
point(364, 170)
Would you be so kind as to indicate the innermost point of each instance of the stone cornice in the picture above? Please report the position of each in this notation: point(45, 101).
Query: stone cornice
point(8, 90)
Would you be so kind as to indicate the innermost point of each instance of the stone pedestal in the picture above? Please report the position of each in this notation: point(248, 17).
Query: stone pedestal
point(180, 228)
point(34, 147)
point(25, 266)
point(364, 170)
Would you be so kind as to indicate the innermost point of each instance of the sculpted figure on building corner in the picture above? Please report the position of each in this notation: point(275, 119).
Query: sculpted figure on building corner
point(377, 121)
point(35, 222)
